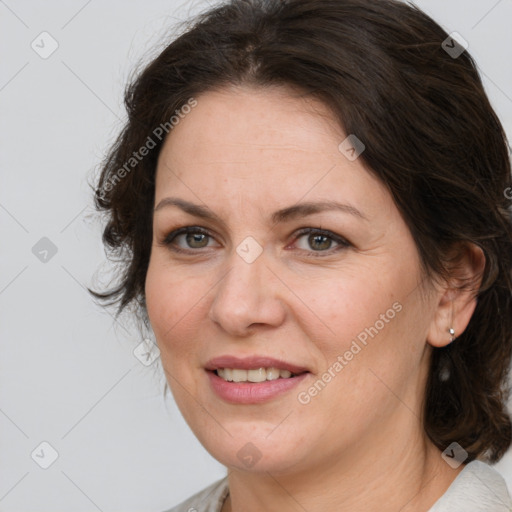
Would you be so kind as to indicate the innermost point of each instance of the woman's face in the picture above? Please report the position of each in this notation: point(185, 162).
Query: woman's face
point(273, 274)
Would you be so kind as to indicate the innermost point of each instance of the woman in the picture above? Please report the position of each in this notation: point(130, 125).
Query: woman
point(310, 199)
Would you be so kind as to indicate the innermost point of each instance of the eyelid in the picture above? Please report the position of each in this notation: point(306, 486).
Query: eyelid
point(298, 233)
point(171, 235)
point(342, 242)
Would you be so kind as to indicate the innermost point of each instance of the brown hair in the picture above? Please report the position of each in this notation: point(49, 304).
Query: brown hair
point(431, 136)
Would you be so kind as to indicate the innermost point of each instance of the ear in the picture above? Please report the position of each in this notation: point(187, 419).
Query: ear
point(456, 299)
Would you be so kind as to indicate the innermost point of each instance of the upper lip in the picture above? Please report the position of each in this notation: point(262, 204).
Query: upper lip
point(252, 363)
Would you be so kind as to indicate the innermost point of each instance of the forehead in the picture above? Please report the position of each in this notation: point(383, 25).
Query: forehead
point(252, 123)
point(273, 144)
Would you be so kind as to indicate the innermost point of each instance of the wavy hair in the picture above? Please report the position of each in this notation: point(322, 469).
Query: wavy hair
point(431, 137)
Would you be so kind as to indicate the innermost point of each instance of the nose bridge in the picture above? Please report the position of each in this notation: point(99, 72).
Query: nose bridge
point(244, 296)
point(241, 287)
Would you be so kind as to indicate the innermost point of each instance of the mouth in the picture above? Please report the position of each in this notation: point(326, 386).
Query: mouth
point(254, 375)
point(252, 380)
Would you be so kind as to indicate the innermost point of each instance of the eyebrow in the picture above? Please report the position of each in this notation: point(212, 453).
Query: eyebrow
point(286, 214)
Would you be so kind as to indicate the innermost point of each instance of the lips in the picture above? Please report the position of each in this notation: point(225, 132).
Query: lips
point(253, 363)
point(253, 392)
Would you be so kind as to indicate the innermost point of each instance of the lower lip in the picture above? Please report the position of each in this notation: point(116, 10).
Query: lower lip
point(252, 393)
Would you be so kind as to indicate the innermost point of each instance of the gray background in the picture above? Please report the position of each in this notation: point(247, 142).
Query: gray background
point(68, 374)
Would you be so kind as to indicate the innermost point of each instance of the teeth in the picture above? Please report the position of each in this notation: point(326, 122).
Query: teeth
point(257, 375)
point(273, 373)
point(239, 375)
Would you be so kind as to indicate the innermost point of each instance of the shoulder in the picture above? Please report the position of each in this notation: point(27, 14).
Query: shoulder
point(209, 499)
point(477, 488)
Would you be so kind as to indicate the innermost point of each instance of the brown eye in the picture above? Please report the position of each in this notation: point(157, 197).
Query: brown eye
point(196, 240)
point(319, 242)
point(314, 240)
point(186, 239)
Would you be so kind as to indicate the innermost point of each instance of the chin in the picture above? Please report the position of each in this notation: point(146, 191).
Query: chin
point(256, 453)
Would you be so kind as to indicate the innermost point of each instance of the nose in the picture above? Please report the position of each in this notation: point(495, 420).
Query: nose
point(247, 296)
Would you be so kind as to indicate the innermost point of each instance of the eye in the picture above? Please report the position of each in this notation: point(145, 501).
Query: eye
point(315, 241)
point(320, 241)
point(191, 238)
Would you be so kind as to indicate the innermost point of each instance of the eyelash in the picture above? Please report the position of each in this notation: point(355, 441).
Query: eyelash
point(342, 243)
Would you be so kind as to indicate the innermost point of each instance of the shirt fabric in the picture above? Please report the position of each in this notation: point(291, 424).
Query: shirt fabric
point(477, 488)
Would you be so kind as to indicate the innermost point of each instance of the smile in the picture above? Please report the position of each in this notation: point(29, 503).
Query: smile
point(252, 379)
point(255, 375)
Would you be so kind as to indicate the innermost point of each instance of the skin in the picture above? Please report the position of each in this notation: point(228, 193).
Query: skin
point(359, 444)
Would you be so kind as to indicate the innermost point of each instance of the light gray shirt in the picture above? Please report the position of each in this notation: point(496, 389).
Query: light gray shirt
point(477, 488)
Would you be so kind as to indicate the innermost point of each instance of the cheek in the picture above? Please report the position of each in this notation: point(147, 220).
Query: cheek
point(373, 323)
point(177, 305)
point(344, 307)
point(377, 350)
point(168, 301)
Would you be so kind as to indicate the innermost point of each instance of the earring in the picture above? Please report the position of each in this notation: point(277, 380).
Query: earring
point(451, 330)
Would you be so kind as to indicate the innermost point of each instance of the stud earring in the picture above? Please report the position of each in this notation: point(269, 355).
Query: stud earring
point(451, 332)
